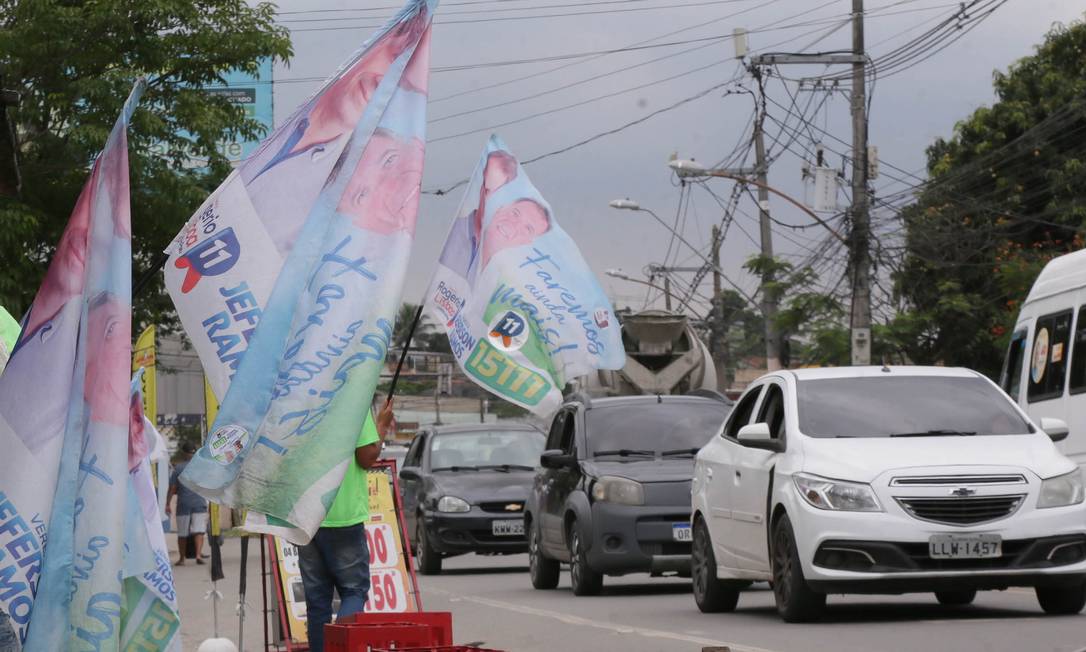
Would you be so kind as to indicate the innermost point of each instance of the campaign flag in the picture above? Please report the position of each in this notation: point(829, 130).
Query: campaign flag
point(64, 400)
point(9, 332)
point(289, 421)
point(224, 263)
point(149, 615)
point(523, 311)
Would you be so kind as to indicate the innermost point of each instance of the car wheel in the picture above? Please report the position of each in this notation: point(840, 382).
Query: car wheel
point(427, 559)
point(796, 602)
point(544, 572)
point(711, 594)
point(956, 598)
point(1062, 600)
point(583, 579)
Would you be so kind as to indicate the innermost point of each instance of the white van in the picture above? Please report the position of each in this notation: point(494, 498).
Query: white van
point(1050, 335)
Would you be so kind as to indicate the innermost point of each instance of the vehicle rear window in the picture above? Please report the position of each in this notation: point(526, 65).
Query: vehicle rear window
point(486, 448)
point(905, 405)
point(653, 426)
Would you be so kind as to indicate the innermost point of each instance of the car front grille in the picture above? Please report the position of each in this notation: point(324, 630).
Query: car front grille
point(511, 507)
point(962, 510)
point(957, 480)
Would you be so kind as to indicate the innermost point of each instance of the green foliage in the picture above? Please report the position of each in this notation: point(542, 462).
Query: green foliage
point(74, 64)
point(404, 318)
point(1007, 193)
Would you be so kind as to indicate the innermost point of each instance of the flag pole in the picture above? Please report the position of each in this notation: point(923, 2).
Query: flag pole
point(403, 354)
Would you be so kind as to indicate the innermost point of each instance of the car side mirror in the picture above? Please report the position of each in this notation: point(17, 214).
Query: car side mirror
point(557, 459)
point(757, 435)
point(410, 473)
point(1056, 429)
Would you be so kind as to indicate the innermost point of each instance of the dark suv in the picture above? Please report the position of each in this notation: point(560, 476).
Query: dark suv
point(613, 494)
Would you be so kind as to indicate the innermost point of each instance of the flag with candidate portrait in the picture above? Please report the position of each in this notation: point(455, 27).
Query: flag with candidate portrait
point(523, 311)
point(223, 265)
point(289, 421)
point(64, 423)
point(150, 619)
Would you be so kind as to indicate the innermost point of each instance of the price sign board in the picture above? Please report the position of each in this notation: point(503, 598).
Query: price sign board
point(392, 586)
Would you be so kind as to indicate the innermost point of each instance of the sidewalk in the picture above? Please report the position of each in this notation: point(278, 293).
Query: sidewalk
point(193, 582)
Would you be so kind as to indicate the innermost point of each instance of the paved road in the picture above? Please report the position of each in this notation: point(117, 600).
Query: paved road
point(492, 601)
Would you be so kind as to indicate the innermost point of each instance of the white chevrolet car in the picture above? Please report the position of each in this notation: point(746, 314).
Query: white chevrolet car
point(885, 480)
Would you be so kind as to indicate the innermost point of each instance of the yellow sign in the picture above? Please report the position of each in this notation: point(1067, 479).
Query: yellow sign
point(143, 355)
point(390, 584)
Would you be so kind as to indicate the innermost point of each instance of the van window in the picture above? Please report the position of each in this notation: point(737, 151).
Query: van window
point(1011, 378)
point(1078, 355)
point(1048, 359)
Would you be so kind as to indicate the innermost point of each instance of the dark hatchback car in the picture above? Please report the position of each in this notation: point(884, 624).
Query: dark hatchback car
point(464, 489)
point(613, 496)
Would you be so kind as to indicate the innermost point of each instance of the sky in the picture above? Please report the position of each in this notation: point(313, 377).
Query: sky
point(550, 105)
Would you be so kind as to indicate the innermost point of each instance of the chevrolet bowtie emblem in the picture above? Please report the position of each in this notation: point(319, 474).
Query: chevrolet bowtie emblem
point(512, 507)
point(963, 492)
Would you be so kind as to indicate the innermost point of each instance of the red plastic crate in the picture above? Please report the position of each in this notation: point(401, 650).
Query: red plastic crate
point(362, 637)
point(439, 648)
point(440, 623)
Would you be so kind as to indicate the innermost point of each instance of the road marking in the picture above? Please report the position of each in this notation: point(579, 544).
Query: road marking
point(585, 622)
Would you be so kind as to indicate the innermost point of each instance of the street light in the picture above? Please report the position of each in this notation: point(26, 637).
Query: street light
point(630, 205)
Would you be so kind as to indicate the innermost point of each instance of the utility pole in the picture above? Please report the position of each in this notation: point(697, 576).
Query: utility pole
point(859, 245)
point(769, 294)
point(667, 292)
point(858, 241)
point(718, 328)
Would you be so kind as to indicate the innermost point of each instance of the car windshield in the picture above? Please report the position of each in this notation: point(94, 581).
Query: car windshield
point(650, 429)
point(486, 448)
point(905, 406)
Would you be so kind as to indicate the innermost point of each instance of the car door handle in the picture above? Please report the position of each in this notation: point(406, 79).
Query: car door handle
point(709, 473)
point(738, 475)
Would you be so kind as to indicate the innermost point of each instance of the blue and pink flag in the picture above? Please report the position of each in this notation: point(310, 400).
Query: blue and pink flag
point(64, 425)
point(298, 262)
point(522, 309)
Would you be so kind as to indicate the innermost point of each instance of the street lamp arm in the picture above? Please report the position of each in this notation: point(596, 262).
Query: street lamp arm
point(759, 184)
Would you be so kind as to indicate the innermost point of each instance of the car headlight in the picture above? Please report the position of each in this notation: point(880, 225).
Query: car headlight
point(1062, 490)
point(622, 491)
point(453, 504)
point(824, 493)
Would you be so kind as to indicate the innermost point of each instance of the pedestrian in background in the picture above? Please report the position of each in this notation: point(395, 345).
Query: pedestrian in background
point(191, 510)
point(338, 557)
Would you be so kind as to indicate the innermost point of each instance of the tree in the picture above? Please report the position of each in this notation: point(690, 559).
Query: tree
point(405, 316)
point(74, 64)
point(1007, 192)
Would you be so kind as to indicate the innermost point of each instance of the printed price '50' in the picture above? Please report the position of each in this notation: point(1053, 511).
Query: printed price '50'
point(387, 593)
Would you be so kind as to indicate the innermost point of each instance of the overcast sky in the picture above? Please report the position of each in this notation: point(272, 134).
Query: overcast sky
point(908, 109)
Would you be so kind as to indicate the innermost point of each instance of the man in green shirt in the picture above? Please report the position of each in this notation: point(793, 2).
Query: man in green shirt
point(338, 557)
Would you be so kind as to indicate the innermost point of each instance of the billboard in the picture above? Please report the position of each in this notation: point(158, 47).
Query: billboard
point(253, 93)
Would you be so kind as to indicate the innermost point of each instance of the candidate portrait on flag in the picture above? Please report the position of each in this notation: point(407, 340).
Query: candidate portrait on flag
point(523, 312)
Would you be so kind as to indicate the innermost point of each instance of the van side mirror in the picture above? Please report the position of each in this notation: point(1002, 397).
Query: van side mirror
point(410, 473)
point(557, 459)
point(757, 435)
point(1056, 429)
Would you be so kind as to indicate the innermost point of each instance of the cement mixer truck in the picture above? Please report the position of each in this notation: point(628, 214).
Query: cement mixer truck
point(663, 356)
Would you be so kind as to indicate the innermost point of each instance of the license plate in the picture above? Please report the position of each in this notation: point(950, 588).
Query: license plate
point(965, 546)
point(682, 532)
point(512, 527)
